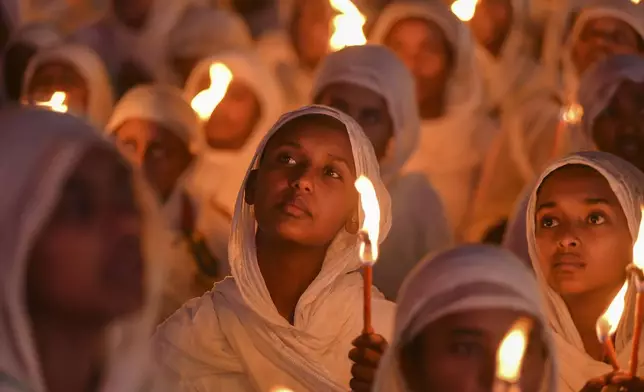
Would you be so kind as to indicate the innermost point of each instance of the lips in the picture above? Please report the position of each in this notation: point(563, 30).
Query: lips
point(568, 262)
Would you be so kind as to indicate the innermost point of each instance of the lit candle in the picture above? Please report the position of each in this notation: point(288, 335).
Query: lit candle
point(207, 100)
point(509, 357)
point(368, 241)
point(569, 115)
point(464, 9)
point(607, 325)
point(57, 102)
point(347, 25)
point(638, 279)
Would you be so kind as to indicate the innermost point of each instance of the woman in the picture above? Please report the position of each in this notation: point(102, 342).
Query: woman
point(158, 131)
point(453, 312)
point(289, 313)
point(455, 131)
point(583, 219)
point(76, 71)
point(375, 88)
point(78, 302)
point(233, 130)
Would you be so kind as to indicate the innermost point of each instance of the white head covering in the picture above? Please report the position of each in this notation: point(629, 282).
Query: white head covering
point(90, 66)
point(576, 367)
point(378, 69)
point(39, 35)
point(48, 146)
point(467, 278)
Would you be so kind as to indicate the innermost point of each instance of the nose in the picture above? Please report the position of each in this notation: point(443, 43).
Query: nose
point(487, 375)
point(568, 239)
point(304, 181)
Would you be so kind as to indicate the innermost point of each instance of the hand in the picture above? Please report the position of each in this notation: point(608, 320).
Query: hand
point(624, 381)
point(366, 357)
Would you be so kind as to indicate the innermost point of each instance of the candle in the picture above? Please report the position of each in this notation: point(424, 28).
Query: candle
point(368, 241)
point(509, 356)
point(57, 102)
point(607, 324)
point(464, 9)
point(347, 25)
point(207, 100)
point(638, 280)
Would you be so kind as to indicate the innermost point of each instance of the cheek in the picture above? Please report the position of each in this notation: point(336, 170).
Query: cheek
point(446, 372)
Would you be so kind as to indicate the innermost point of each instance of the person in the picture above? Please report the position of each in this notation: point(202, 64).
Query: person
point(159, 132)
point(233, 130)
point(583, 218)
point(375, 88)
point(82, 258)
point(453, 312)
point(287, 316)
point(438, 49)
point(76, 71)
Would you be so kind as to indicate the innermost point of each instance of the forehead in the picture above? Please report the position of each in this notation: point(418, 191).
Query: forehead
point(576, 181)
point(415, 27)
point(146, 129)
point(314, 137)
point(353, 94)
point(487, 323)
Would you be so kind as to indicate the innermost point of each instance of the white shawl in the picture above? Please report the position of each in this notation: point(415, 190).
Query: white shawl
point(234, 339)
point(576, 367)
point(47, 146)
point(92, 69)
point(471, 277)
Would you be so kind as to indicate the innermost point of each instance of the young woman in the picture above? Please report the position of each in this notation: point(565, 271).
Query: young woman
point(232, 132)
point(453, 312)
point(76, 71)
point(80, 262)
point(375, 88)
point(583, 219)
point(455, 132)
point(288, 315)
point(158, 131)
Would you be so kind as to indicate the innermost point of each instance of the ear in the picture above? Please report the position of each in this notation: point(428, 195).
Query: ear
point(352, 225)
point(251, 188)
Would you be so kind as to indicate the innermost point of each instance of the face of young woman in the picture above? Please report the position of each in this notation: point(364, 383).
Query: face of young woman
point(603, 37)
point(619, 129)
point(311, 30)
point(59, 76)
point(163, 156)
point(87, 262)
point(457, 353)
point(367, 107)
point(582, 235)
point(303, 191)
point(491, 23)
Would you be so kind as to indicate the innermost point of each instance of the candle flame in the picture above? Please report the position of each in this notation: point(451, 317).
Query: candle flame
point(509, 356)
point(347, 26)
point(638, 248)
point(607, 322)
point(371, 225)
point(635, 1)
point(572, 114)
point(464, 9)
point(207, 100)
point(281, 389)
point(56, 103)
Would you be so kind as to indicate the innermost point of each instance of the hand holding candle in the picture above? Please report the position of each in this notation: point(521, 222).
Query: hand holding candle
point(509, 357)
point(607, 325)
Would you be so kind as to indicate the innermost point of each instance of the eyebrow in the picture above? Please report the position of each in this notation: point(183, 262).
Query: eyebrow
point(341, 160)
point(467, 332)
point(590, 201)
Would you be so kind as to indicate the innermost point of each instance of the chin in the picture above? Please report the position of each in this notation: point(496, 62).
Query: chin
point(566, 288)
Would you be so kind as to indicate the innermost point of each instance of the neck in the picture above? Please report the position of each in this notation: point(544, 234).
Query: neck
point(288, 270)
point(432, 107)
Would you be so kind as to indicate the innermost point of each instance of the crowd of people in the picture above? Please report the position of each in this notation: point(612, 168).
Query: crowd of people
point(151, 243)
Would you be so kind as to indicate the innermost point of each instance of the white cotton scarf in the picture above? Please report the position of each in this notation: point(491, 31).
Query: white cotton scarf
point(576, 367)
point(468, 278)
point(234, 338)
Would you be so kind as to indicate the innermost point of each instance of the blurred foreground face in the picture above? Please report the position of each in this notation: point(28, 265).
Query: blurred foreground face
point(457, 353)
point(132, 13)
point(491, 24)
point(86, 264)
point(59, 76)
point(311, 30)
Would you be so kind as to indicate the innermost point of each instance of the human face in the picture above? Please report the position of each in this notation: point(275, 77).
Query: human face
point(619, 129)
point(87, 264)
point(423, 47)
point(132, 13)
point(603, 37)
point(311, 30)
point(303, 191)
point(582, 235)
point(367, 107)
point(457, 353)
point(491, 24)
point(59, 76)
point(234, 119)
point(163, 155)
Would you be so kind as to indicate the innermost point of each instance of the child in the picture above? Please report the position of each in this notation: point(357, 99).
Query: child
point(289, 313)
point(373, 86)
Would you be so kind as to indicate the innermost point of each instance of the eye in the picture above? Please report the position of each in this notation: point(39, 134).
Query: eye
point(548, 222)
point(596, 219)
point(329, 171)
point(286, 159)
point(465, 349)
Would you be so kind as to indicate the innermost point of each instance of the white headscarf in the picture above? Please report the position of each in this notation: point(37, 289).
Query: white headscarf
point(48, 146)
point(236, 329)
point(39, 35)
point(576, 367)
point(90, 66)
point(467, 278)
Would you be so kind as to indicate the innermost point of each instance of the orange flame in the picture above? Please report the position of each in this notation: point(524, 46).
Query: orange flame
point(464, 9)
point(607, 322)
point(509, 356)
point(207, 100)
point(347, 26)
point(56, 103)
point(572, 114)
point(371, 225)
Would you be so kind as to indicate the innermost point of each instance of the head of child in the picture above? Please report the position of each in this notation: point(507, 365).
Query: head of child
point(310, 28)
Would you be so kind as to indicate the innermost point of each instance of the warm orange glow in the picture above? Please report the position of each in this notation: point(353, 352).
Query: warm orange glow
point(635, 1)
point(509, 356)
point(347, 25)
point(281, 389)
point(207, 100)
point(572, 114)
point(464, 9)
point(56, 103)
point(607, 322)
point(371, 225)
point(638, 248)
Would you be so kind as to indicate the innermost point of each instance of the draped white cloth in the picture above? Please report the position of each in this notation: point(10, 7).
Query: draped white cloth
point(576, 367)
point(219, 173)
point(234, 339)
point(414, 234)
point(39, 35)
point(467, 278)
point(92, 69)
point(47, 146)
point(451, 147)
